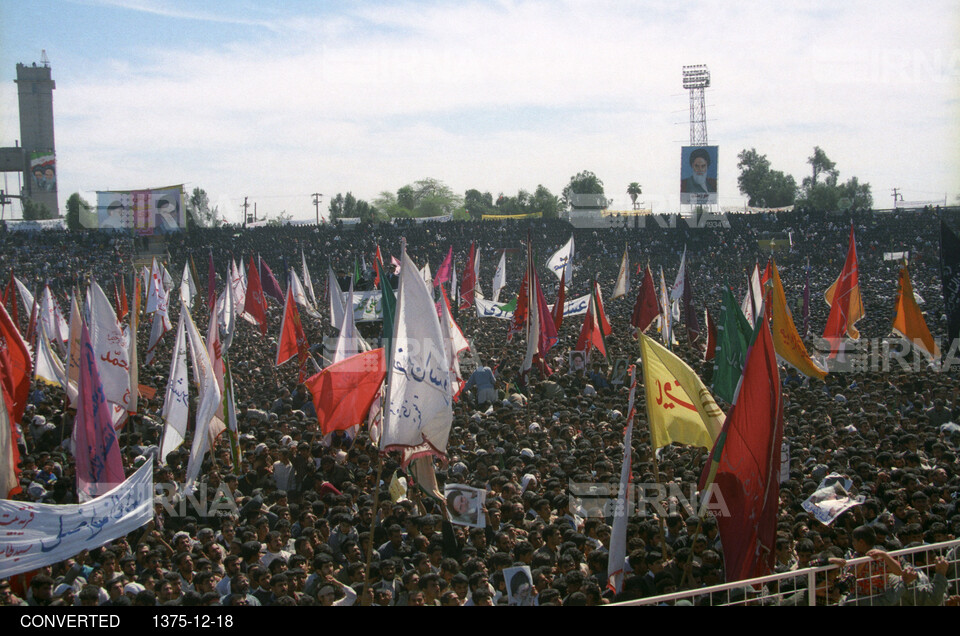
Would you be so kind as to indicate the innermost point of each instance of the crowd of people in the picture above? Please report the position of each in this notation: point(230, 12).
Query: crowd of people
point(312, 520)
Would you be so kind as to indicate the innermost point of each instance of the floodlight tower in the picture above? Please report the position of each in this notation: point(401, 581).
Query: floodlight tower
point(695, 79)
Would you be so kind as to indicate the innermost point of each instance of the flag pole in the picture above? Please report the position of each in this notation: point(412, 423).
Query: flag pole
point(376, 507)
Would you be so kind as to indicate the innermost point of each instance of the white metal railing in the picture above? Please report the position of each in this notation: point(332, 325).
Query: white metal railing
point(861, 581)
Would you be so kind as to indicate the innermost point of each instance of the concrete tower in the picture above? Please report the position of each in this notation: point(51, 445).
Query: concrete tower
point(35, 88)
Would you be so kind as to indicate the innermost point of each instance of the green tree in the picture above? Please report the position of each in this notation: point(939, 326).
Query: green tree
point(478, 203)
point(634, 190)
point(821, 190)
point(583, 183)
point(33, 211)
point(199, 210)
point(77, 207)
point(281, 219)
point(763, 186)
point(545, 202)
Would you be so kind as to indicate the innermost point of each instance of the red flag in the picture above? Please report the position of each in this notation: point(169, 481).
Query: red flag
point(595, 325)
point(711, 351)
point(745, 467)
point(646, 309)
point(443, 273)
point(10, 296)
point(561, 300)
point(15, 374)
point(124, 306)
point(268, 282)
point(343, 392)
point(116, 300)
point(211, 285)
point(378, 264)
point(293, 342)
point(846, 306)
point(468, 281)
point(519, 322)
point(9, 453)
point(255, 304)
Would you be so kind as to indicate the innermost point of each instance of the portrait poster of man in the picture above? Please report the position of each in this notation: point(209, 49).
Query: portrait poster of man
point(619, 375)
point(577, 361)
point(520, 590)
point(43, 168)
point(112, 211)
point(464, 505)
point(168, 211)
point(698, 175)
point(832, 498)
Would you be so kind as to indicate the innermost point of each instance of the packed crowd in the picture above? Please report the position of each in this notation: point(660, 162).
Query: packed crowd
point(299, 513)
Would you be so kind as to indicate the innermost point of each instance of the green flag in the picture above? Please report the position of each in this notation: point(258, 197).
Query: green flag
point(734, 336)
point(388, 302)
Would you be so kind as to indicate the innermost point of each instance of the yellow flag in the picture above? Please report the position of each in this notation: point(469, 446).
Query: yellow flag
point(909, 322)
point(856, 307)
point(679, 407)
point(786, 340)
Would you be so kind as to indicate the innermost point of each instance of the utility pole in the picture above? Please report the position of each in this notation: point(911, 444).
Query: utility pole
point(316, 204)
point(896, 196)
point(245, 206)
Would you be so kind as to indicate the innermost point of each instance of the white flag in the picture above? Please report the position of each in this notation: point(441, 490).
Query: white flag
point(161, 325)
point(110, 347)
point(49, 368)
point(427, 275)
point(208, 402)
point(622, 288)
point(188, 288)
point(500, 277)
point(154, 287)
point(336, 299)
point(227, 311)
point(753, 298)
point(676, 292)
point(300, 296)
point(347, 340)
point(562, 260)
point(176, 400)
point(454, 343)
point(25, 296)
point(419, 411)
point(307, 280)
point(73, 351)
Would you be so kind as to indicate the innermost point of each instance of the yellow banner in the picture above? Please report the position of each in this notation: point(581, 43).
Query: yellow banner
point(786, 340)
point(679, 407)
point(501, 217)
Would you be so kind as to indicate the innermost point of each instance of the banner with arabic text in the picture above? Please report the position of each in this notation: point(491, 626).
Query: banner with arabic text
point(490, 309)
point(34, 535)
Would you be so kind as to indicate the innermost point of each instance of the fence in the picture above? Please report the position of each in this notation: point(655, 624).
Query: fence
point(861, 581)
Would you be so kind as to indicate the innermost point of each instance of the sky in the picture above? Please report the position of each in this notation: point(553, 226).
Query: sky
point(274, 101)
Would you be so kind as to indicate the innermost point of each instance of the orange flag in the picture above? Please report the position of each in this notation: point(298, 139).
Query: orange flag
point(786, 340)
point(293, 342)
point(909, 322)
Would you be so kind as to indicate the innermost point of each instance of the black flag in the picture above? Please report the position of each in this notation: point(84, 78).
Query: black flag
point(950, 275)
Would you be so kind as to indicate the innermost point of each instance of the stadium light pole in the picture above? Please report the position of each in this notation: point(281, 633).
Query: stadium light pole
point(695, 79)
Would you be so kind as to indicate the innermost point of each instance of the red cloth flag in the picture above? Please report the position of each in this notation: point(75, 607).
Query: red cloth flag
point(268, 283)
point(443, 273)
point(124, 305)
point(343, 392)
point(15, 374)
point(293, 342)
point(377, 265)
point(846, 306)
point(561, 300)
point(116, 300)
point(711, 351)
point(595, 326)
point(519, 322)
point(97, 452)
point(468, 281)
point(646, 309)
point(211, 285)
point(10, 296)
point(255, 304)
point(745, 467)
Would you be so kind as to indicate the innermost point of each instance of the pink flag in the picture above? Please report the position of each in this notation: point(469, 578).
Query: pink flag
point(443, 274)
point(97, 452)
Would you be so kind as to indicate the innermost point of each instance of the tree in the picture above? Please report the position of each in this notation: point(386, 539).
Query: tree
point(281, 219)
point(199, 210)
point(634, 190)
point(77, 207)
point(764, 187)
point(477, 204)
point(584, 183)
point(545, 202)
point(33, 211)
point(821, 191)
point(350, 207)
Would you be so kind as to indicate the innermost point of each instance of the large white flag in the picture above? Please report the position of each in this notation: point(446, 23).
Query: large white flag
point(622, 288)
point(110, 347)
point(73, 350)
point(754, 297)
point(176, 400)
point(562, 260)
point(454, 342)
point(208, 402)
point(49, 367)
point(419, 409)
point(25, 296)
point(161, 324)
point(227, 311)
point(500, 277)
point(51, 318)
point(300, 296)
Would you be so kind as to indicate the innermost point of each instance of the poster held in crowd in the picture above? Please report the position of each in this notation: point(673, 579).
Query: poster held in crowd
point(831, 499)
point(465, 505)
point(520, 590)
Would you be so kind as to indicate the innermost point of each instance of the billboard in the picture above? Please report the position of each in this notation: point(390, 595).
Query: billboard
point(698, 175)
point(43, 172)
point(142, 211)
